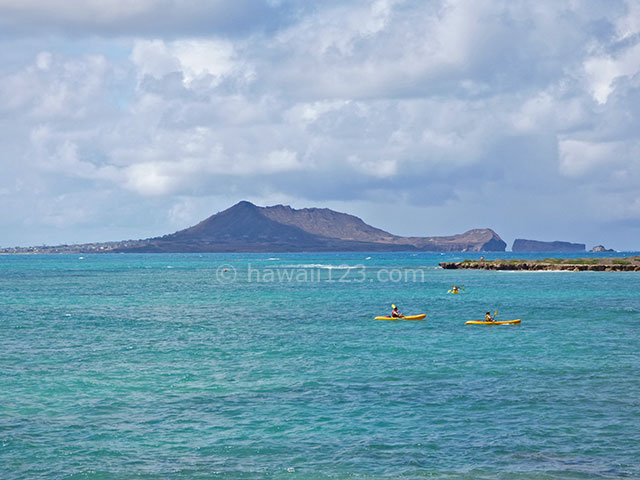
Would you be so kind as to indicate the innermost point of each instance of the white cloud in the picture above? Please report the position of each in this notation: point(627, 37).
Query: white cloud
point(553, 110)
point(52, 88)
point(152, 178)
point(376, 167)
point(578, 158)
point(312, 111)
point(196, 60)
point(153, 57)
point(327, 104)
point(186, 174)
point(628, 25)
point(602, 71)
point(281, 161)
point(43, 60)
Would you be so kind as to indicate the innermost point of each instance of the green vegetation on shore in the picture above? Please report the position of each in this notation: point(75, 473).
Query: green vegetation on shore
point(628, 264)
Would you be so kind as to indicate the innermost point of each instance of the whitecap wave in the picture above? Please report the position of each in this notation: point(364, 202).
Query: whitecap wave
point(323, 266)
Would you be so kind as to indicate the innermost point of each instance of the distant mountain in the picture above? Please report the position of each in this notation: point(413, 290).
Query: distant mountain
point(522, 245)
point(246, 227)
point(328, 223)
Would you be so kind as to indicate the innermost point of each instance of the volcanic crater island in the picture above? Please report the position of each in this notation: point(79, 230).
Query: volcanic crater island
point(246, 227)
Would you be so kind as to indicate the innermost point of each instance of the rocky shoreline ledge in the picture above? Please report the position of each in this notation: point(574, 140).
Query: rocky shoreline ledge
point(628, 264)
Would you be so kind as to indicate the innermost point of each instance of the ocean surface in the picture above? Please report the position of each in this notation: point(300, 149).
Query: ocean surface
point(271, 366)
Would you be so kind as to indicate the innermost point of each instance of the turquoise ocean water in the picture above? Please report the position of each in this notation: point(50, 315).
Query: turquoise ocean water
point(170, 367)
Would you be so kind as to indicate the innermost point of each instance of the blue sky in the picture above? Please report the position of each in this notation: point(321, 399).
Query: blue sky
point(124, 120)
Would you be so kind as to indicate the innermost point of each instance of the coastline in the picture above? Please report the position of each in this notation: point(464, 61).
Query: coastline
point(629, 264)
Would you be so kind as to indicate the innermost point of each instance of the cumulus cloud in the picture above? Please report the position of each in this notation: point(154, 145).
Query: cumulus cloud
point(602, 71)
point(481, 113)
point(578, 158)
point(204, 62)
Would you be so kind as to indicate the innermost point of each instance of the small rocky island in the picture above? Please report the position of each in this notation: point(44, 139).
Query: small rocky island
point(627, 264)
point(522, 245)
point(600, 249)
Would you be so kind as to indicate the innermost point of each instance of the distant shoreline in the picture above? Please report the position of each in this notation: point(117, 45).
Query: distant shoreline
point(624, 264)
point(554, 261)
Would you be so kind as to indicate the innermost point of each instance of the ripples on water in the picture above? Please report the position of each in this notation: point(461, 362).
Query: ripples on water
point(118, 367)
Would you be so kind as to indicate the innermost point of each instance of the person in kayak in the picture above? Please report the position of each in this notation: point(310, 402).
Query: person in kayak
point(489, 318)
point(454, 289)
point(395, 313)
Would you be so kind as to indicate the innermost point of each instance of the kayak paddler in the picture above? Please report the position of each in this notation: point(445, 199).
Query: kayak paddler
point(489, 318)
point(395, 313)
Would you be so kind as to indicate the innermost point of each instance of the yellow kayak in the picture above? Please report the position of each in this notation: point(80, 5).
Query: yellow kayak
point(482, 322)
point(407, 317)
